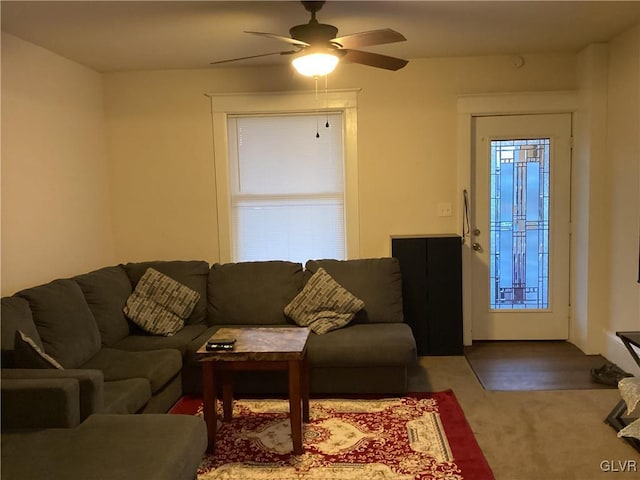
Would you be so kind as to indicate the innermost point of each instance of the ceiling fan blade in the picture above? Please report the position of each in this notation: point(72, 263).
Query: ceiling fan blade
point(253, 56)
point(290, 40)
point(374, 59)
point(373, 37)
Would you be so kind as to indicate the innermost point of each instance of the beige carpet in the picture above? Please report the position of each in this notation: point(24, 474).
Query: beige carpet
point(538, 435)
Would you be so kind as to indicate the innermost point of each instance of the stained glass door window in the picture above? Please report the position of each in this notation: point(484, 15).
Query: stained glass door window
point(519, 224)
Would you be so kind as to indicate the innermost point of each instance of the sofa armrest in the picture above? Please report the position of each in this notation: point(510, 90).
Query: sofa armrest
point(40, 403)
point(90, 384)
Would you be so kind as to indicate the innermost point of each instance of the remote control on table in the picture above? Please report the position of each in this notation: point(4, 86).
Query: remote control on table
point(221, 344)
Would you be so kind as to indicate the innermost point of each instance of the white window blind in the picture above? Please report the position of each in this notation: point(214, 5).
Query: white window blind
point(286, 187)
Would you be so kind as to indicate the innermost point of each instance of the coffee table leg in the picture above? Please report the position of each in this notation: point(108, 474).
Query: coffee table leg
point(227, 395)
point(305, 389)
point(209, 404)
point(295, 405)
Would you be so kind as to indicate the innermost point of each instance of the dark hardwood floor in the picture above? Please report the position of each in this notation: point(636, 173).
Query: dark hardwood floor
point(532, 365)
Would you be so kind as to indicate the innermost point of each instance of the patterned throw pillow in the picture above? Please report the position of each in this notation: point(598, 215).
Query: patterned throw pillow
point(630, 392)
point(323, 304)
point(29, 355)
point(632, 430)
point(159, 304)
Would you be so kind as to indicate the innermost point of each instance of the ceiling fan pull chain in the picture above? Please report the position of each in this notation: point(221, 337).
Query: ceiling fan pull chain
point(317, 112)
point(326, 98)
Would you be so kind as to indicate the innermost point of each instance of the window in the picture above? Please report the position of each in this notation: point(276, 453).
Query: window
point(281, 192)
point(519, 223)
point(287, 187)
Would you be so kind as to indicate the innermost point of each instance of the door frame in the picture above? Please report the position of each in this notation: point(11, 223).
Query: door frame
point(468, 107)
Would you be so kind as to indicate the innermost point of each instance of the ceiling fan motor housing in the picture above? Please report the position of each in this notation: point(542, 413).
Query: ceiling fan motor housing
point(314, 33)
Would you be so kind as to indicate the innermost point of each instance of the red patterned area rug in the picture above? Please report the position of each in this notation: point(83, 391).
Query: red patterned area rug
point(422, 436)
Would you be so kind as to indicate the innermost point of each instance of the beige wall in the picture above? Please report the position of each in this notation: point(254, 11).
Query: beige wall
point(55, 200)
point(590, 197)
point(59, 192)
point(623, 152)
point(162, 160)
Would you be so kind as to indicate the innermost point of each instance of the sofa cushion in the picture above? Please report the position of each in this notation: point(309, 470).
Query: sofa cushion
point(158, 366)
point(192, 273)
point(375, 281)
point(179, 341)
point(363, 345)
point(39, 403)
point(64, 321)
point(16, 315)
point(109, 447)
point(106, 290)
point(164, 399)
point(29, 355)
point(126, 396)
point(159, 304)
point(252, 293)
point(323, 304)
point(90, 382)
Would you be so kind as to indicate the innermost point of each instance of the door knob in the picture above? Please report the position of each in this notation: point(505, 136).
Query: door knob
point(476, 246)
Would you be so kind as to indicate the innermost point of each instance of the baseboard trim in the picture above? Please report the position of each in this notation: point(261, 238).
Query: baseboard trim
point(616, 352)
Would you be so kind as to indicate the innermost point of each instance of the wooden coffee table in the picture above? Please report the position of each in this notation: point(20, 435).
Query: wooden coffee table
point(257, 349)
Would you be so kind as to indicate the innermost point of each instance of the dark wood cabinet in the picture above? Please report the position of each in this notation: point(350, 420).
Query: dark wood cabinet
point(431, 270)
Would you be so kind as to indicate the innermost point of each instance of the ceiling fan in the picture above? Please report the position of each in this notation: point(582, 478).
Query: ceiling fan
point(317, 49)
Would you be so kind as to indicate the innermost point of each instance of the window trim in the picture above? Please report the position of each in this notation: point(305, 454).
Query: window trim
point(223, 105)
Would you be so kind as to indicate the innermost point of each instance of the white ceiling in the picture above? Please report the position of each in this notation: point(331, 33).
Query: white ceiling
point(141, 35)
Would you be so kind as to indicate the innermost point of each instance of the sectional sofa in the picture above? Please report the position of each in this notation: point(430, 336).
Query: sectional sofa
point(80, 322)
point(111, 366)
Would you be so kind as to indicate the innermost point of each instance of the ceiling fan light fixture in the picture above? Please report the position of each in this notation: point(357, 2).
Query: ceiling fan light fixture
point(318, 51)
point(316, 64)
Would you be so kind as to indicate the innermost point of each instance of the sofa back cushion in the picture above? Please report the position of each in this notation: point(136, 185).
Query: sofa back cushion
point(68, 331)
point(252, 293)
point(16, 315)
point(106, 292)
point(375, 281)
point(191, 273)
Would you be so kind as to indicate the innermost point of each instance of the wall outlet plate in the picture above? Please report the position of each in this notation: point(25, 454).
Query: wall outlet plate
point(444, 209)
